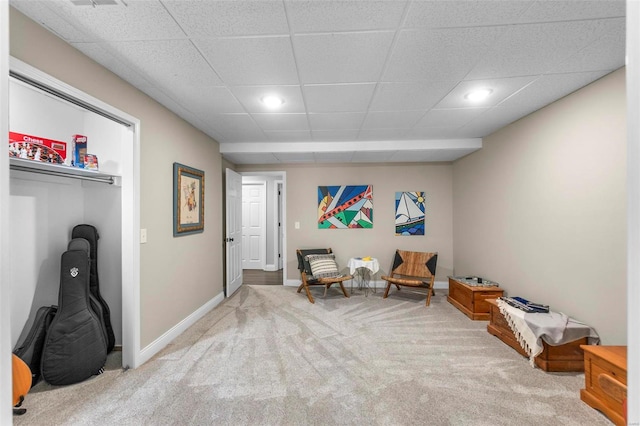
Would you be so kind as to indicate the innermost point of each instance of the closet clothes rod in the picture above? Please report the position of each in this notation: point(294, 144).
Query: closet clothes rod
point(106, 179)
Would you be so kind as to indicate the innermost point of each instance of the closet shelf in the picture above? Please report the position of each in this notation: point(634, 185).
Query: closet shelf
point(31, 166)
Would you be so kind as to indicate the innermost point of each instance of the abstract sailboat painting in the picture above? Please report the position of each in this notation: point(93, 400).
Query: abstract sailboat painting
point(343, 207)
point(410, 208)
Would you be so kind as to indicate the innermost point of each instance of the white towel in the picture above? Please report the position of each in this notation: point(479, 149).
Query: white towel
point(527, 339)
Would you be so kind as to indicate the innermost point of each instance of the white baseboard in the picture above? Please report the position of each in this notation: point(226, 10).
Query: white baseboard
point(441, 285)
point(270, 268)
point(157, 345)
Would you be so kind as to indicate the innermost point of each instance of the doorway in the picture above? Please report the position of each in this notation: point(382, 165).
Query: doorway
point(272, 217)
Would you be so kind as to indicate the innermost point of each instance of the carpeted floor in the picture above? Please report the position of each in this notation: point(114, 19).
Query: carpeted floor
point(266, 356)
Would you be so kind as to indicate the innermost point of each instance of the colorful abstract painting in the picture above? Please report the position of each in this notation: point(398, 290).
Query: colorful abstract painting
point(410, 208)
point(341, 207)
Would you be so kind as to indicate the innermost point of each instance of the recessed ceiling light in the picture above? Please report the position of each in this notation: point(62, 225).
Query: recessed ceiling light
point(478, 95)
point(272, 101)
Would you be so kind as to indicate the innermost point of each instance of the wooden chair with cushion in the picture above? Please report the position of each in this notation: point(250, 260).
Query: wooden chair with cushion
point(412, 269)
point(318, 267)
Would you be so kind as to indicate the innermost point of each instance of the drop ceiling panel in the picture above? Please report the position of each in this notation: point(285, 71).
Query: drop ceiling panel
point(48, 15)
point(138, 20)
point(535, 48)
point(338, 97)
point(426, 133)
point(501, 89)
point(566, 10)
point(606, 53)
point(316, 16)
point(205, 100)
point(342, 57)
point(549, 88)
point(438, 54)
point(251, 60)
point(381, 134)
point(244, 135)
point(202, 19)
point(450, 117)
point(167, 101)
point(410, 96)
point(250, 97)
point(336, 121)
point(231, 125)
point(102, 56)
point(281, 121)
point(167, 62)
point(392, 119)
point(433, 14)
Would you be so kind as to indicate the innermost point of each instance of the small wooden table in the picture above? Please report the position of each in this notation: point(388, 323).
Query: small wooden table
point(567, 357)
point(605, 376)
point(472, 300)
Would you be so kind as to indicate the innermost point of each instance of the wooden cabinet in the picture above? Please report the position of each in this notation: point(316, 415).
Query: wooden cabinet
point(605, 378)
point(567, 357)
point(472, 300)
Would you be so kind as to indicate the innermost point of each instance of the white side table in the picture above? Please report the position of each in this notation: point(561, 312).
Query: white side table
point(362, 271)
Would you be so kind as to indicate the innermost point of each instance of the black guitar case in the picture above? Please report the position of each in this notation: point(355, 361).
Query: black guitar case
point(90, 233)
point(75, 347)
point(30, 349)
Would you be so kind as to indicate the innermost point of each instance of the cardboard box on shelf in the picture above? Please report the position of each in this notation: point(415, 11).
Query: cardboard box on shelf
point(36, 148)
point(91, 162)
point(79, 150)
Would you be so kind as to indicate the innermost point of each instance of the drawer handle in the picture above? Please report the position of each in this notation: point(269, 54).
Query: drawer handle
point(612, 387)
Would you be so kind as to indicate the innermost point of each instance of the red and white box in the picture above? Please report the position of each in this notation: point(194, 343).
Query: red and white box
point(36, 148)
point(91, 162)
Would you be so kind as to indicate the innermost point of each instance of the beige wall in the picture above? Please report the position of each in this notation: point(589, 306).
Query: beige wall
point(302, 183)
point(178, 275)
point(541, 208)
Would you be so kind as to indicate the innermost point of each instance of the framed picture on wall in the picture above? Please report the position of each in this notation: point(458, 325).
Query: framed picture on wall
point(410, 212)
point(188, 200)
point(345, 207)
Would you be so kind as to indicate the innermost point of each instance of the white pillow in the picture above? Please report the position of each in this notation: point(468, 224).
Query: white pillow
point(323, 265)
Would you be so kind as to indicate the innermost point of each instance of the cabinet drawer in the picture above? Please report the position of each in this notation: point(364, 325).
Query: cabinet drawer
point(596, 390)
point(599, 366)
point(462, 296)
point(605, 380)
point(480, 300)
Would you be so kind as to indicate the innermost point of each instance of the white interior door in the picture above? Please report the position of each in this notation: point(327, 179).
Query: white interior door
point(253, 225)
point(233, 239)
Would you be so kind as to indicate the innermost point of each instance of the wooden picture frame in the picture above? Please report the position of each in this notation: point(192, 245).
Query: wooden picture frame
point(188, 200)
